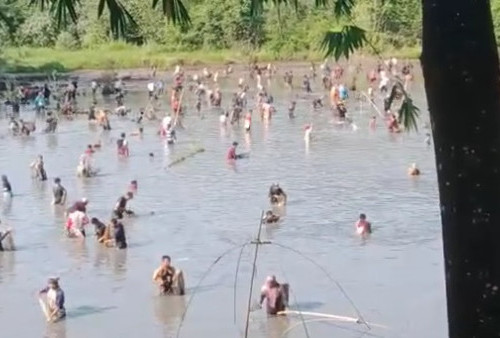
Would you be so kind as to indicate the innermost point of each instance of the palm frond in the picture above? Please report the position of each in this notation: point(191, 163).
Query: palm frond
point(343, 42)
point(343, 8)
point(62, 9)
point(408, 114)
point(120, 18)
point(175, 11)
point(42, 4)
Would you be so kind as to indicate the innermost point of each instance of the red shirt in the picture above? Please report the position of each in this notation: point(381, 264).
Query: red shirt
point(231, 153)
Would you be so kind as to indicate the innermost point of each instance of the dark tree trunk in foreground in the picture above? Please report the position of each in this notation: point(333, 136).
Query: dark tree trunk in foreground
point(461, 71)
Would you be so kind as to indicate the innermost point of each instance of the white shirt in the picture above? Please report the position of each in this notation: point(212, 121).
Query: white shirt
point(151, 86)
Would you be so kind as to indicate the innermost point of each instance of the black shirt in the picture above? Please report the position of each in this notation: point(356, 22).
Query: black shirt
point(119, 235)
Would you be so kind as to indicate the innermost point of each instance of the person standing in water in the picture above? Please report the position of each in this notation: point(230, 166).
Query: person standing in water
point(38, 168)
point(119, 234)
point(7, 188)
point(170, 280)
point(231, 153)
point(5, 235)
point(121, 205)
point(275, 295)
point(58, 192)
point(363, 227)
point(248, 121)
point(122, 146)
point(54, 307)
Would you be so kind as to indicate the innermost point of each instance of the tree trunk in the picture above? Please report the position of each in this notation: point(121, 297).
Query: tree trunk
point(461, 72)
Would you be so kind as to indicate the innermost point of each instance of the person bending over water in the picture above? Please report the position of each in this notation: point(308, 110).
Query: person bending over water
point(54, 306)
point(231, 153)
point(7, 189)
point(121, 205)
point(270, 217)
point(100, 227)
point(276, 195)
point(119, 234)
point(58, 193)
point(275, 295)
point(170, 280)
point(363, 227)
point(413, 170)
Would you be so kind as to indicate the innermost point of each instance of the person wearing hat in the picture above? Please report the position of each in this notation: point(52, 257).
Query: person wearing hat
point(121, 205)
point(59, 193)
point(53, 307)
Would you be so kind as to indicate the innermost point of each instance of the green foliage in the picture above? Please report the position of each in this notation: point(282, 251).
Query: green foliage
point(37, 30)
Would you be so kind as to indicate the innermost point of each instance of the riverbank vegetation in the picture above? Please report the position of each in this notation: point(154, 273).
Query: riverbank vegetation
point(220, 31)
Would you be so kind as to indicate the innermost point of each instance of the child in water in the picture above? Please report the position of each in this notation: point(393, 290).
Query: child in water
point(363, 227)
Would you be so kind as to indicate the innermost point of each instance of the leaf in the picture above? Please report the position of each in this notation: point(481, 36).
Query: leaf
point(343, 8)
point(175, 11)
point(120, 19)
point(61, 9)
point(43, 4)
point(343, 42)
point(408, 114)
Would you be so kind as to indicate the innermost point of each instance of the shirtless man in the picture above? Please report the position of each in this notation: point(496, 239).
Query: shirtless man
point(59, 193)
point(275, 295)
point(276, 194)
point(169, 279)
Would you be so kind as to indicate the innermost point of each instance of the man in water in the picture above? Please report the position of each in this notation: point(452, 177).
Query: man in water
point(100, 227)
point(59, 193)
point(276, 194)
point(54, 309)
point(363, 227)
point(122, 146)
point(275, 295)
point(51, 122)
point(4, 235)
point(121, 205)
point(7, 189)
point(38, 168)
point(119, 234)
point(169, 279)
point(231, 153)
point(291, 110)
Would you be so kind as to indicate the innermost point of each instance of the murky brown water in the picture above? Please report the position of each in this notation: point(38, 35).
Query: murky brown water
point(204, 207)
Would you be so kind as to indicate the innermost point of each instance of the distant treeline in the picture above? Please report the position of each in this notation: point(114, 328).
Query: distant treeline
point(221, 24)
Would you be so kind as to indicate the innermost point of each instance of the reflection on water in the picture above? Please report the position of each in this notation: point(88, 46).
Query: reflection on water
point(203, 205)
point(168, 312)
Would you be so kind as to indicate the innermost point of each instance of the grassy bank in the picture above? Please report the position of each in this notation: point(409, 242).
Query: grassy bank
point(123, 56)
